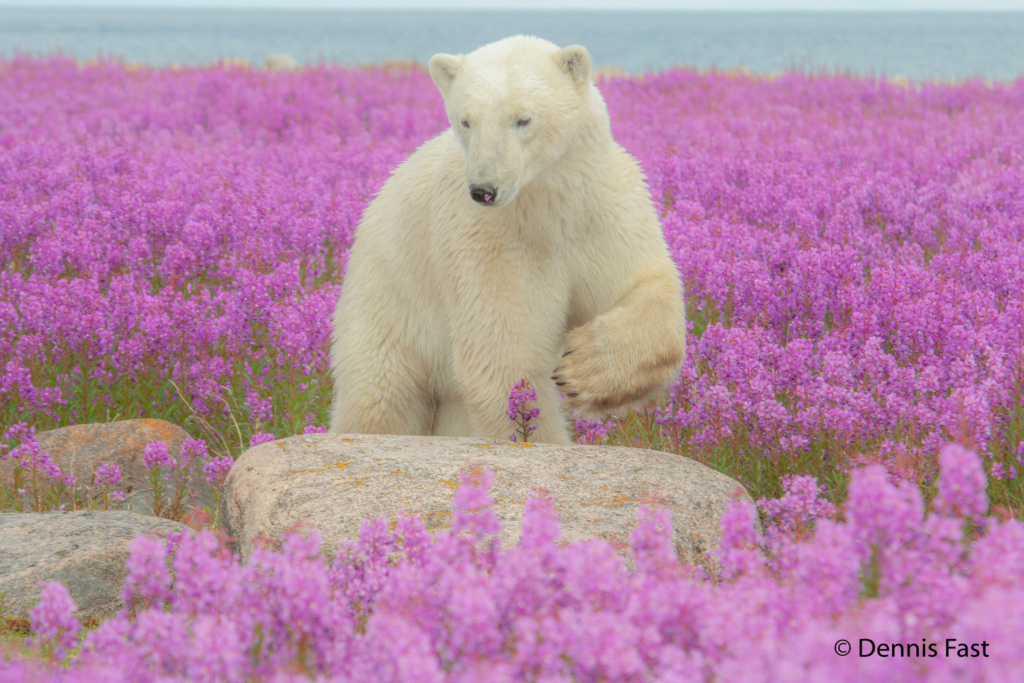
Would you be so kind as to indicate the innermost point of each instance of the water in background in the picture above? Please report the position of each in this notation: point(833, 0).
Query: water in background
point(919, 46)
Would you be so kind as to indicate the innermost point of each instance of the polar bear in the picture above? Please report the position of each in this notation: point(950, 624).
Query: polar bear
point(521, 243)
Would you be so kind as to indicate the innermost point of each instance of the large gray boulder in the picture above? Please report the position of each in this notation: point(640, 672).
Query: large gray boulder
point(86, 551)
point(80, 449)
point(334, 481)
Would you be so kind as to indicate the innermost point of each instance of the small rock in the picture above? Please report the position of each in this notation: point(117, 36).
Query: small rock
point(234, 63)
point(86, 551)
point(334, 481)
point(80, 449)
point(282, 62)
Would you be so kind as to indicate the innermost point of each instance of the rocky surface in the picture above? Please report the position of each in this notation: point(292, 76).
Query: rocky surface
point(86, 551)
point(80, 449)
point(335, 481)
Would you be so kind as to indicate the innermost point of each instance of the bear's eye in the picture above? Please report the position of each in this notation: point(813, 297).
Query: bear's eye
point(465, 123)
point(523, 121)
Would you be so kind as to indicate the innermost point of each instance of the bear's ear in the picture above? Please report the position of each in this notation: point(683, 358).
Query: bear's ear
point(575, 61)
point(443, 69)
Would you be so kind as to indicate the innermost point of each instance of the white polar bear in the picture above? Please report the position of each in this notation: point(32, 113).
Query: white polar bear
point(522, 243)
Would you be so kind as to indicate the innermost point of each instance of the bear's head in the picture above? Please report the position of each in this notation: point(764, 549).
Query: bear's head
point(516, 107)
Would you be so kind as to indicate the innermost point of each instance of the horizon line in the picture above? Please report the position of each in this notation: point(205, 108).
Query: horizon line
point(507, 9)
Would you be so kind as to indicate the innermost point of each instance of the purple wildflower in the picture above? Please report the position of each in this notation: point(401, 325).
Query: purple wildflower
point(522, 394)
point(799, 508)
point(217, 469)
point(156, 455)
point(53, 620)
point(260, 438)
point(472, 505)
point(591, 431)
point(148, 579)
point(107, 474)
point(961, 485)
point(192, 449)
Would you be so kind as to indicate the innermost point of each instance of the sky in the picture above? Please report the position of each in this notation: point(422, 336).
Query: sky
point(704, 5)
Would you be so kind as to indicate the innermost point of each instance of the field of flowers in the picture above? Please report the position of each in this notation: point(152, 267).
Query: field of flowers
point(173, 243)
point(890, 594)
point(851, 251)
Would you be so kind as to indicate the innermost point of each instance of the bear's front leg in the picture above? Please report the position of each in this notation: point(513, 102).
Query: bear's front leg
point(493, 347)
point(485, 390)
point(626, 354)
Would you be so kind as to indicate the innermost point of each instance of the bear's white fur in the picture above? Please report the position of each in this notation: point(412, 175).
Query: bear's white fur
point(520, 243)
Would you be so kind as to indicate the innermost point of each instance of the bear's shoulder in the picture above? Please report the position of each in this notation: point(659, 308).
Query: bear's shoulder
point(432, 167)
point(440, 151)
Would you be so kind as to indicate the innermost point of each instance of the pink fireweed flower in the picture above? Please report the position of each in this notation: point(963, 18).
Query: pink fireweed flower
point(107, 474)
point(260, 408)
point(148, 579)
point(799, 508)
point(651, 541)
point(739, 550)
point(192, 449)
point(206, 581)
point(412, 538)
point(361, 568)
point(961, 485)
point(53, 620)
point(156, 455)
point(31, 456)
point(260, 438)
point(472, 505)
point(540, 527)
point(1000, 472)
point(522, 394)
point(217, 469)
point(21, 432)
point(592, 430)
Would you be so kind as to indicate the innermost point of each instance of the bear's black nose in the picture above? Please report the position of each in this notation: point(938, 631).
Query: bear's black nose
point(482, 194)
